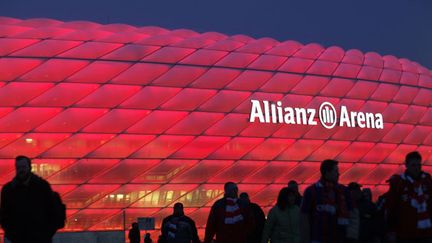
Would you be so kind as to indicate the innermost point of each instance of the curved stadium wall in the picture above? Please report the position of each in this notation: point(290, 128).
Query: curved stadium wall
point(125, 121)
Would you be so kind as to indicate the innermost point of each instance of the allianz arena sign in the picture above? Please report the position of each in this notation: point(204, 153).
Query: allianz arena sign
point(267, 112)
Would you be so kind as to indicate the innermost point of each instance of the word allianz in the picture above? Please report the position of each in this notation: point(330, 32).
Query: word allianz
point(270, 112)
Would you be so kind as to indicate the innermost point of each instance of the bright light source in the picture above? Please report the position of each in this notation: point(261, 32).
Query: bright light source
point(29, 140)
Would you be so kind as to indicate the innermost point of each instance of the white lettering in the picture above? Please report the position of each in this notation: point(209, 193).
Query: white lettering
point(276, 113)
point(256, 112)
point(311, 113)
point(344, 117)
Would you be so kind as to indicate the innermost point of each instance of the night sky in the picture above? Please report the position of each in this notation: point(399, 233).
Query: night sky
point(399, 27)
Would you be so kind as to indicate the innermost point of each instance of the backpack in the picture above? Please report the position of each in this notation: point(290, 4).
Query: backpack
point(59, 211)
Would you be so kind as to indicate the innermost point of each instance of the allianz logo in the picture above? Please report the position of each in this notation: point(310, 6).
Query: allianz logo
point(271, 112)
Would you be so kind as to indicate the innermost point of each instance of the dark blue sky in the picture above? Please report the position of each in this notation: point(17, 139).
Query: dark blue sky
point(399, 27)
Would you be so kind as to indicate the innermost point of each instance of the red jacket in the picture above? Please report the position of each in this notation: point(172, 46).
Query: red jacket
point(402, 217)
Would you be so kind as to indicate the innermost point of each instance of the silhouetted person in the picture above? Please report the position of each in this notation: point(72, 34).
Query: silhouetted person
point(294, 186)
point(282, 223)
point(259, 218)
point(178, 228)
point(27, 206)
point(134, 234)
point(147, 238)
point(410, 203)
point(228, 221)
point(369, 224)
point(353, 228)
point(324, 209)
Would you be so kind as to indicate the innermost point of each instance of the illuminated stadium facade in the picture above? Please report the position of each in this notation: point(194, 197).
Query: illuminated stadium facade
point(126, 121)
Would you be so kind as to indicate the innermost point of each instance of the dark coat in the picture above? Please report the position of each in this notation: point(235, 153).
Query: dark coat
point(259, 219)
point(186, 231)
point(236, 233)
point(27, 211)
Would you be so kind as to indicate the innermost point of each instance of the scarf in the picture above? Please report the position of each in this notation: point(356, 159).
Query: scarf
point(333, 204)
point(417, 199)
point(232, 211)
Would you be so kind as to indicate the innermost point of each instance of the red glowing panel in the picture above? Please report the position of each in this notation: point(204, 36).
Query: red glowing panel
point(7, 138)
point(322, 68)
point(195, 123)
point(200, 147)
point(268, 196)
point(165, 171)
point(82, 171)
point(230, 125)
point(7, 168)
point(268, 62)
point(130, 52)
point(237, 171)
point(236, 148)
point(204, 57)
point(141, 74)
point(355, 151)
point(296, 65)
point(202, 195)
point(215, 78)
point(98, 72)
point(418, 135)
point(270, 172)
point(32, 144)
point(330, 149)
point(108, 96)
point(71, 120)
point(300, 150)
point(124, 196)
point(25, 119)
point(114, 222)
point(46, 48)
point(179, 76)
point(224, 101)
point(203, 171)
point(162, 146)
point(356, 173)
point(237, 60)
point(124, 171)
point(87, 194)
point(150, 97)
point(84, 219)
point(17, 94)
point(54, 70)
point(63, 94)
point(301, 173)
point(168, 54)
point(116, 121)
point(281, 82)
point(9, 45)
point(269, 149)
point(378, 153)
point(157, 122)
point(78, 145)
point(337, 87)
point(164, 196)
point(121, 146)
point(188, 99)
point(90, 50)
